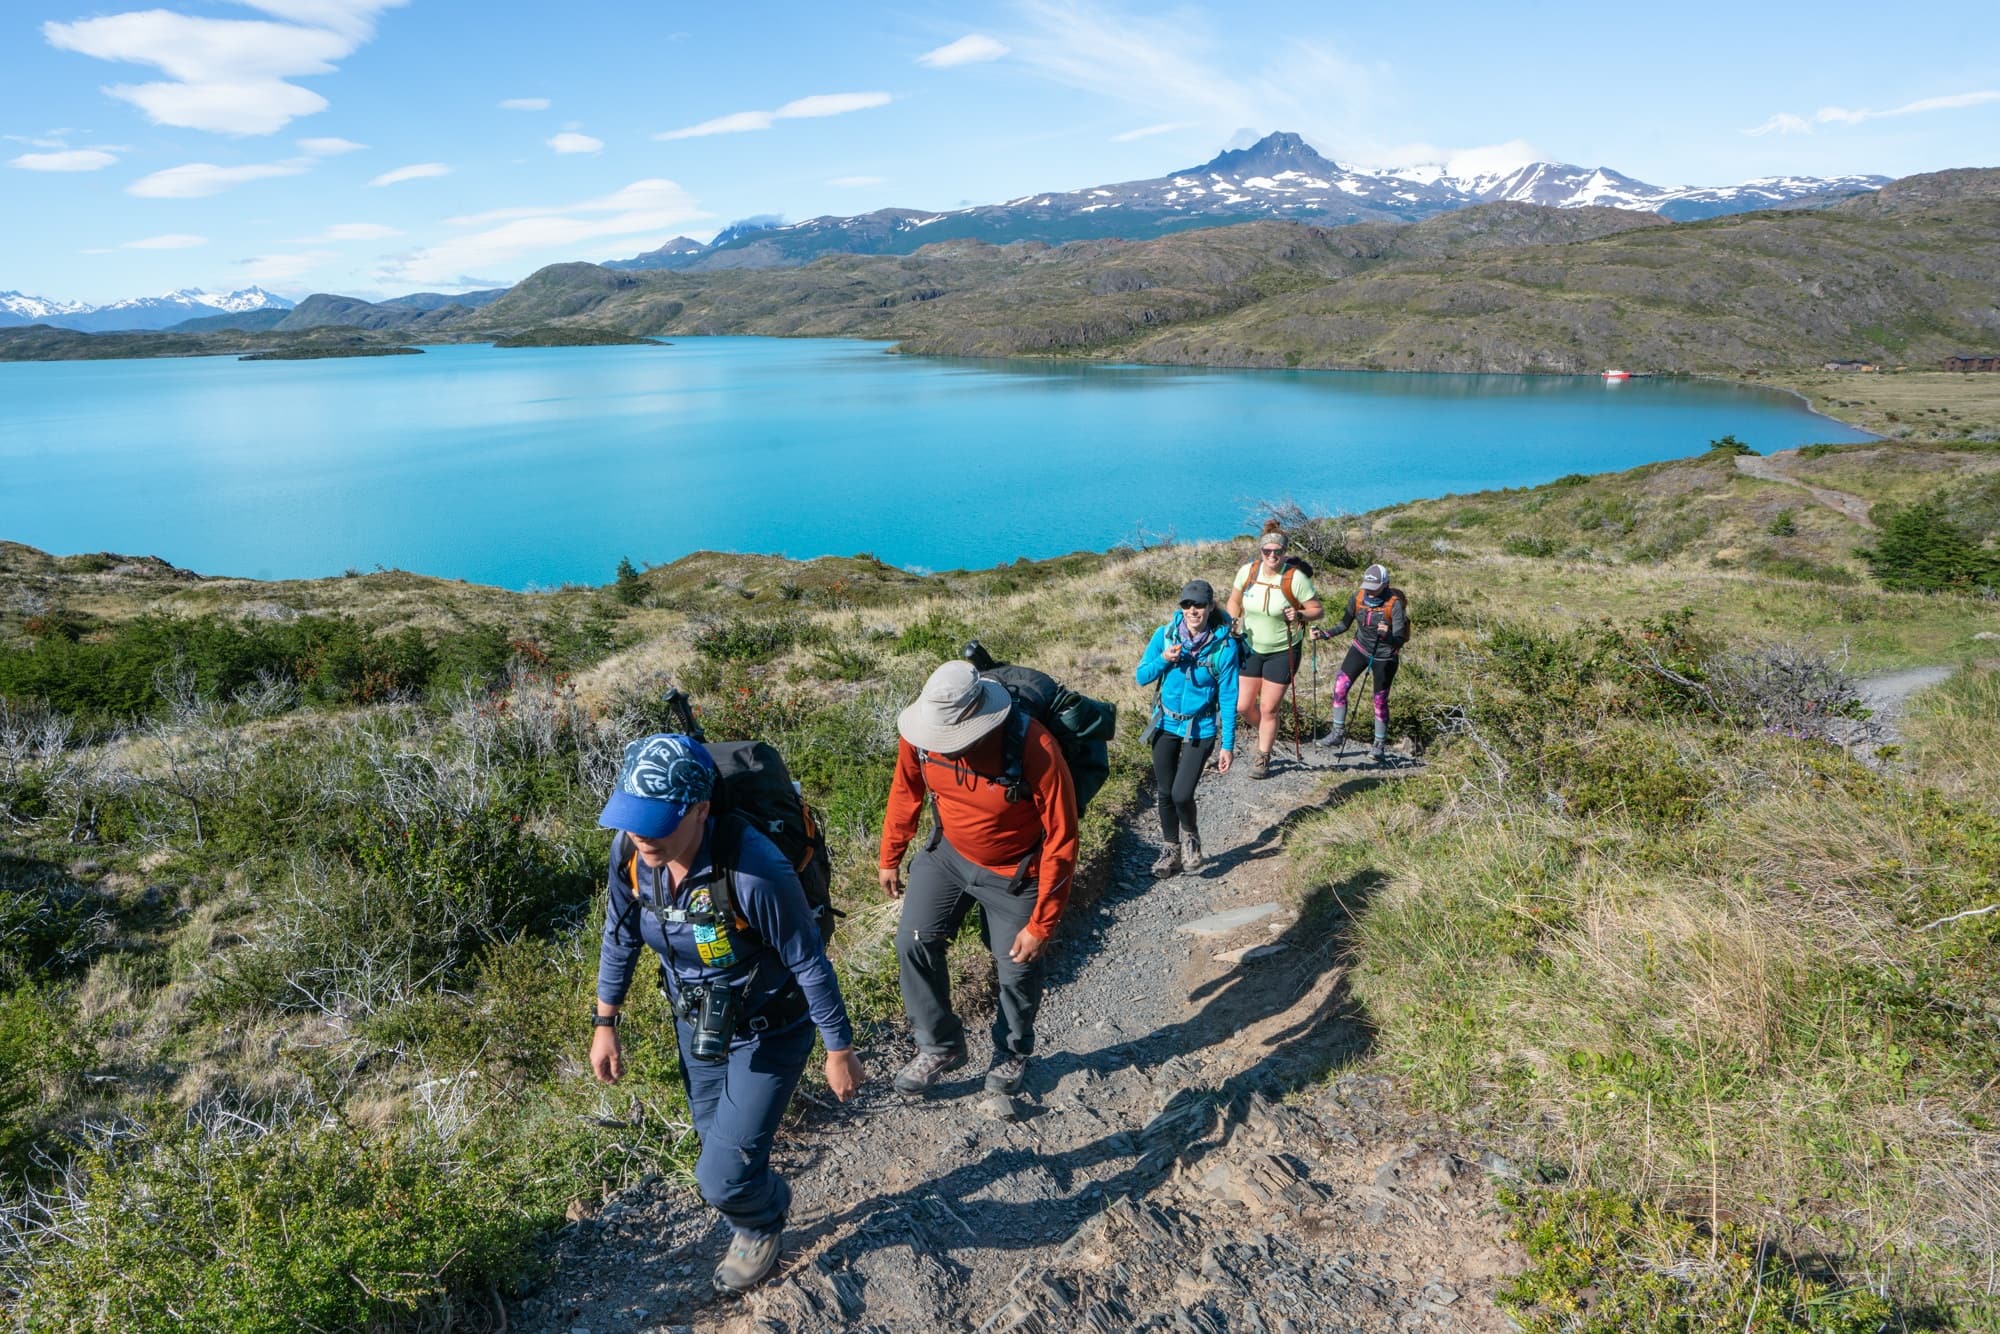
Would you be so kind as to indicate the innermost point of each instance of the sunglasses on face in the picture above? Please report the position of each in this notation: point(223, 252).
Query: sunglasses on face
point(1185, 606)
point(1272, 553)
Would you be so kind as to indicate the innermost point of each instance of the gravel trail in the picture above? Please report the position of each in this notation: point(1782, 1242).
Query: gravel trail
point(1155, 1174)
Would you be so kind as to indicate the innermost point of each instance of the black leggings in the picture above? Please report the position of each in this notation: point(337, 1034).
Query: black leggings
point(1177, 766)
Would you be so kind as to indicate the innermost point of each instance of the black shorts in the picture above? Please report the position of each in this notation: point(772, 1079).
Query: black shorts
point(1277, 668)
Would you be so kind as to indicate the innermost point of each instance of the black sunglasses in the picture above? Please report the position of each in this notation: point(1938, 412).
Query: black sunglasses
point(1186, 605)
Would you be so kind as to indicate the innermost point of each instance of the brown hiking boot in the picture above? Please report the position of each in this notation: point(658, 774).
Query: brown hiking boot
point(749, 1262)
point(1007, 1073)
point(1169, 862)
point(924, 1070)
point(1260, 764)
point(1190, 852)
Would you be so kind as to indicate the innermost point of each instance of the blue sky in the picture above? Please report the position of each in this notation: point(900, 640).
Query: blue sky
point(376, 147)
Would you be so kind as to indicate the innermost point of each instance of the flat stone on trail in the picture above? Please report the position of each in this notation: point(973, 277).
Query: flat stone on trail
point(1000, 1107)
point(1231, 919)
point(1249, 953)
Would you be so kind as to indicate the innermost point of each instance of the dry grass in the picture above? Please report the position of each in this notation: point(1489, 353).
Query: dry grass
point(1913, 405)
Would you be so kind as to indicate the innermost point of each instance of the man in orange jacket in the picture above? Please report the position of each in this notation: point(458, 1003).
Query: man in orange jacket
point(1005, 838)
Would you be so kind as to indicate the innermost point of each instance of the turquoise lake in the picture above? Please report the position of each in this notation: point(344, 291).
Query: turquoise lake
point(533, 467)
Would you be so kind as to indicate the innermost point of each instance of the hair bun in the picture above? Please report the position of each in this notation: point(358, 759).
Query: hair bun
point(1273, 526)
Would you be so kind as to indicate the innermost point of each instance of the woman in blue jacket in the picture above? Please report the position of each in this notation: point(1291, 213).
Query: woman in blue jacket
point(1193, 660)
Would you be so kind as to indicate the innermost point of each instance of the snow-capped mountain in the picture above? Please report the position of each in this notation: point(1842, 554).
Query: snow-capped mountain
point(20, 308)
point(1279, 176)
point(142, 312)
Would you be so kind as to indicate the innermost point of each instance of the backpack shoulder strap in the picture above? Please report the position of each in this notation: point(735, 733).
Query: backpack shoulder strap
point(1285, 587)
point(723, 854)
point(1249, 577)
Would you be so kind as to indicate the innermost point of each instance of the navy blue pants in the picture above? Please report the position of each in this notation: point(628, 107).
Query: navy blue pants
point(737, 1105)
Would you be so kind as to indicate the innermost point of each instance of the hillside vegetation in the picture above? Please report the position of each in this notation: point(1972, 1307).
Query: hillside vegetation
point(1903, 276)
point(299, 883)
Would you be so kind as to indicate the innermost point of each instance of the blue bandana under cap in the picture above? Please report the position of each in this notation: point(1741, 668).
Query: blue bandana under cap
point(663, 775)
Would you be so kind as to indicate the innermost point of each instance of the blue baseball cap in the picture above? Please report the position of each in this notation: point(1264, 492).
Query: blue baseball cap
point(663, 775)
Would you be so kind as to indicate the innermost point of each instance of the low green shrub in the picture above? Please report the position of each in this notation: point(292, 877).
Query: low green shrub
point(1602, 1263)
point(1531, 544)
point(1921, 548)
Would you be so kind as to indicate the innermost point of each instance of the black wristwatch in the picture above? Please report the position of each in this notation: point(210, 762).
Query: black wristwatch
point(603, 1020)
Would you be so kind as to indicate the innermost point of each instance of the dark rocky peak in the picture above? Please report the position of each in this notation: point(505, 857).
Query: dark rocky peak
point(1282, 151)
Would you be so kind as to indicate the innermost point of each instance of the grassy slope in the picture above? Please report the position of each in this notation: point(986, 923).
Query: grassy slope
point(1675, 957)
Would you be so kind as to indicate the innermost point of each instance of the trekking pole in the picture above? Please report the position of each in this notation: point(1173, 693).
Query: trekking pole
point(1292, 689)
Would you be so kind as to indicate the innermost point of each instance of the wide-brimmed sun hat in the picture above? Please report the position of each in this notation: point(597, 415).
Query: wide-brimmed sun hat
point(663, 776)
point(956, 707)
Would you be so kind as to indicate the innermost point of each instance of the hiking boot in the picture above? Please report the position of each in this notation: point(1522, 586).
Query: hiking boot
point(1191, 852)
point(749, 1262)
point(1260, 764)
point(1169, 862)
point(1378, 752)
point(925, 1068)
point(1006, 1075)
point(1337, 734)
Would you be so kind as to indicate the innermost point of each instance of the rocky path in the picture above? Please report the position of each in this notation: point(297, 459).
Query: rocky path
point(1775, 468)
point(1187, 1155)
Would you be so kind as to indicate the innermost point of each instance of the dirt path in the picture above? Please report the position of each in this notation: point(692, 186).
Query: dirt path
point(1886, 695)
point(1155, 1179)
point(1768, 468)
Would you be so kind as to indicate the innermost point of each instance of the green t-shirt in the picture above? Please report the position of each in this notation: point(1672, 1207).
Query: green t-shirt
point(1264, 607)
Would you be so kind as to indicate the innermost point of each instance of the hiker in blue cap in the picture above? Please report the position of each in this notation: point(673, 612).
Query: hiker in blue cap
point(745, 969)
point(1192, 659)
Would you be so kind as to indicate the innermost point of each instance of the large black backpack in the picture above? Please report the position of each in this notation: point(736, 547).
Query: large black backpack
point(1082, 726)
point(754, 788)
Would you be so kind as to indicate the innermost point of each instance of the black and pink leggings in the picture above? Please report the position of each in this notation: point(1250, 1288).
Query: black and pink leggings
point(1351, 668)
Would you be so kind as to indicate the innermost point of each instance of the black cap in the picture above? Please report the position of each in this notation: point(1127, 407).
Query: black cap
point(1198, 592)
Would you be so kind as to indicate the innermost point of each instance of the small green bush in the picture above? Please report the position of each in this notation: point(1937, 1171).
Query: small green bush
point(1600, 1263)
point(1629, 774)
point(744, 639)
point(938, 636)
point(1530, 544)
point(1920, 548)
point(1729, 446)
point(1782, 524)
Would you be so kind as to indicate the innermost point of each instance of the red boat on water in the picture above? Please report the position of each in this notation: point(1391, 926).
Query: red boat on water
point(1614, 377)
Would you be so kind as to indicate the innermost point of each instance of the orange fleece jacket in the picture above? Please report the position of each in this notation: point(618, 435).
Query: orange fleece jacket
point(983, 825)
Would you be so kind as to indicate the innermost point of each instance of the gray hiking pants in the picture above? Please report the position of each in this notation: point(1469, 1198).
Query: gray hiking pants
point(941, 888)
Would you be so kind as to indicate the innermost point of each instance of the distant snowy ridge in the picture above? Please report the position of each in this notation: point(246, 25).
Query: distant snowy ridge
point(140, 312)
point(1280, 176)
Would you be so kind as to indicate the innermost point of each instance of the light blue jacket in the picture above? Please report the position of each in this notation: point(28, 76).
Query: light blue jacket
point(1197, 696)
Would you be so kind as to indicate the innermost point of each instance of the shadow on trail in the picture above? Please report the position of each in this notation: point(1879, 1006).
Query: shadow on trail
point(959, 1210)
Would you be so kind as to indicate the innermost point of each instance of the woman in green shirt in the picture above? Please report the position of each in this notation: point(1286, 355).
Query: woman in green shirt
point(1272, 598)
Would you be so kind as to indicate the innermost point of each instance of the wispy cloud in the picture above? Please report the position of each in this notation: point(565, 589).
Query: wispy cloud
point(854, 182)
point(1173, 67)
point(283, 268)
point(970, 49)
point(350, 231)
point(72, 159)
point(524, 104)
point(329, 147)
point(820, 104)
point(230, 76)
point(645, 208)
point(172, 241)
point(416, 171)
point(1148, 131)
point(1787, 123)
point(198, 180)
point(571, 142)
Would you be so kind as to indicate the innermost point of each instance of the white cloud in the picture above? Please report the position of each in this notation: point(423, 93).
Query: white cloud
point(967, 50)
point(854, 182)
point(74, 159)
point(173, 241)
point(283, 268)
point(329, 147)
point(351, 231)
point(644, 208)
point(1148, 131)
point(820, 104)
point(1787, 123)
point(1173, 68)
point(197, 180)
point(524, 104)
point(226, 75)
point(571, 142)
point(1492, 159)
point(416, 171)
